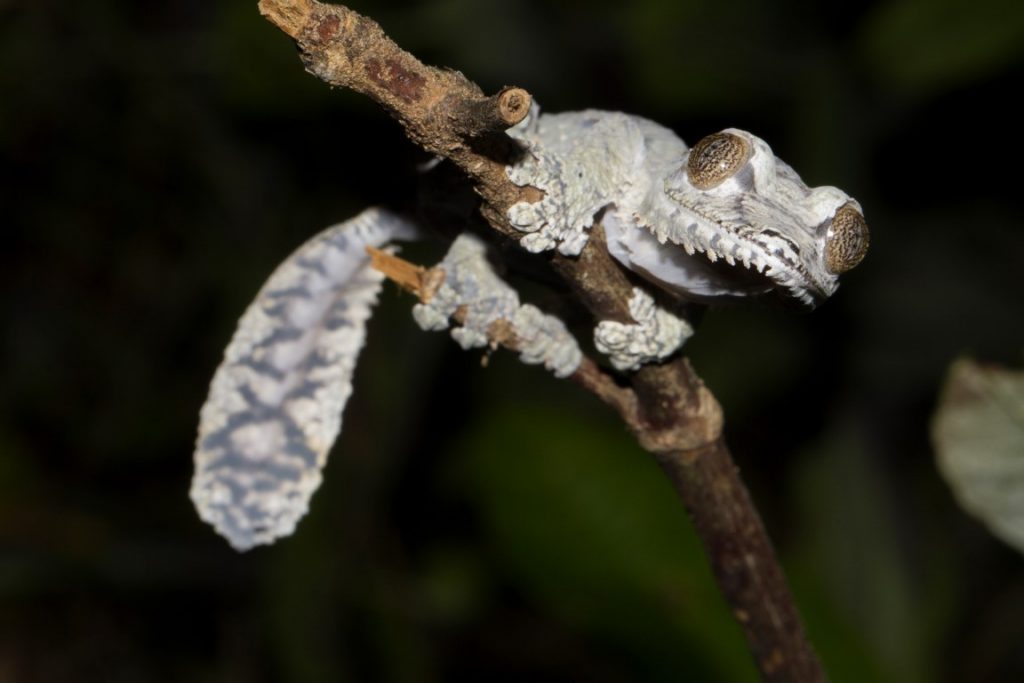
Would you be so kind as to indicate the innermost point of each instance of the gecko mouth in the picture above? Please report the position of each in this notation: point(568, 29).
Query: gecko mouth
point(751, 266)
point(696, 275)
point(706, 261)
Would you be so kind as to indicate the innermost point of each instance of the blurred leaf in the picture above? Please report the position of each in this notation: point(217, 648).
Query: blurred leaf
point(589, 529)
point(978, 432)
point(925, 45)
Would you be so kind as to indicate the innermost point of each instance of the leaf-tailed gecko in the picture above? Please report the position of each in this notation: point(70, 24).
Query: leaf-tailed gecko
point(723, 219)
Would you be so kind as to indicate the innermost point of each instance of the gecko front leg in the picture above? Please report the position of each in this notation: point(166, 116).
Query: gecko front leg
point(655, 335)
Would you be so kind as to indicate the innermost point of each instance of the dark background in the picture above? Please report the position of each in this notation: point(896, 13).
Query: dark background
point(158, 159)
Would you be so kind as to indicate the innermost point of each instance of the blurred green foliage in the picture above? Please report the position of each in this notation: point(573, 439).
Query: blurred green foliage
point(159, 159)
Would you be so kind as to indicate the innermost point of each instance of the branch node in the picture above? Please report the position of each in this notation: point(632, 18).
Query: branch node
point(478, 117)
point(514, 105)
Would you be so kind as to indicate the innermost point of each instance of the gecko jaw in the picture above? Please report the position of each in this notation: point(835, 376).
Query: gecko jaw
point(758, 259)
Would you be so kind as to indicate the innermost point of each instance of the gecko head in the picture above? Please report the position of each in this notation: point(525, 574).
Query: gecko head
point(733, 200)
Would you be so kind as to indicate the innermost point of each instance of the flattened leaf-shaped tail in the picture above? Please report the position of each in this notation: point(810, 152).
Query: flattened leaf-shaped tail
point(275, 403)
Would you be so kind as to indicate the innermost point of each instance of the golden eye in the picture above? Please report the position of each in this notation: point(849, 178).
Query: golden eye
point(715, 159)
point(847, 240)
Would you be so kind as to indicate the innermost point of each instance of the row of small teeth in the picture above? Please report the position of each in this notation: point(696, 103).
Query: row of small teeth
point(749, 261)
point(797, 290)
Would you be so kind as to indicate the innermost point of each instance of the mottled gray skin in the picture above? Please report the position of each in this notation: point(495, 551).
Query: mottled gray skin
point(275, 404)
point(655, 335)
point(471, 284)
point(768, 226)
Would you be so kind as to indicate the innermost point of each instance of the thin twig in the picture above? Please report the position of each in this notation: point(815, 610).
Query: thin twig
point(667, 406)
point(417, 280)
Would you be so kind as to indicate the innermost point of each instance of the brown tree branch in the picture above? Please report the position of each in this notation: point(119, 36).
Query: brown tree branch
point(667, 406)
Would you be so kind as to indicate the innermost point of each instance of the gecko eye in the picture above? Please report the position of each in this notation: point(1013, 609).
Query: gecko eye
point(715, 159)
point(847, 240)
